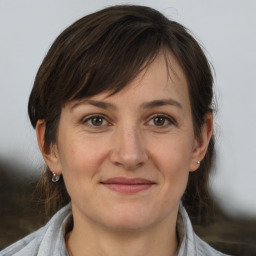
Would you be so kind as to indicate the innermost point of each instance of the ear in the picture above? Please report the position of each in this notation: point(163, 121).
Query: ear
point(202, 142)
point(50, 154)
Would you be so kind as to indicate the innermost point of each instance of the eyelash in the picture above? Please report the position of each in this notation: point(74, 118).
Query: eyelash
point(91, 117)
point(167, 118)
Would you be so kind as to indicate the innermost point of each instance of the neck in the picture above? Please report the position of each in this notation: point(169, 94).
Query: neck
point(90, 239)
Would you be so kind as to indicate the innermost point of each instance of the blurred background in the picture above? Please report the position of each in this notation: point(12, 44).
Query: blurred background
point(227, 31)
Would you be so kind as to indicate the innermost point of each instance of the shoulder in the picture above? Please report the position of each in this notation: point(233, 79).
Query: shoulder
point(191, 244)
point(44, 240)
point(204, 249)
point(26, 246)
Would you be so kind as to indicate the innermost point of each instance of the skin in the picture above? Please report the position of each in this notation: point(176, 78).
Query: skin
point(133, 138)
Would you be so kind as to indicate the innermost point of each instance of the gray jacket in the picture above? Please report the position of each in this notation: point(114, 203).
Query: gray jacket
point(49, 240)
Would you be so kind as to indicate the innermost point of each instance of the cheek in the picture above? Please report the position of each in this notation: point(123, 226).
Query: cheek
point(81, 158)
point(172, 155)
point(81, 164)
point(172, 159)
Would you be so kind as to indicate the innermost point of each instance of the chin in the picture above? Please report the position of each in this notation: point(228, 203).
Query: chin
point(128, 224)
point(130, 219)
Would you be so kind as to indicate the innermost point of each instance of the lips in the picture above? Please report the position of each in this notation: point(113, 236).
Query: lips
point(127, 185)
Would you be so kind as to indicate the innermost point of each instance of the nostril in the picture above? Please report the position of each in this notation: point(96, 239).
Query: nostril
point(139, 164)
point(127, 162)
point(128, 151)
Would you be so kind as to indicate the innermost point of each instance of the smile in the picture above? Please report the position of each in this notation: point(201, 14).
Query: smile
point(126, 185)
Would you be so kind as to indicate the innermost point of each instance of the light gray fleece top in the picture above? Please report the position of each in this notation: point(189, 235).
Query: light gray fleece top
point(50, 239)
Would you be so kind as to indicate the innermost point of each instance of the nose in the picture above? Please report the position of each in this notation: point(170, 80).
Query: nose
point(128, 149)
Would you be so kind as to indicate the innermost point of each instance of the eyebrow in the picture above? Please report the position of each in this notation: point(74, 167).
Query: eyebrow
point(159, 103)
point(99, 104)
point(146, 105)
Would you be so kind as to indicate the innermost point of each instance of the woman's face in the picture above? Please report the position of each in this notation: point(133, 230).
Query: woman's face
point(126, 158)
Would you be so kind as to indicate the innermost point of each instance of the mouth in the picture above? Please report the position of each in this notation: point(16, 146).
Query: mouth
point(127, 185)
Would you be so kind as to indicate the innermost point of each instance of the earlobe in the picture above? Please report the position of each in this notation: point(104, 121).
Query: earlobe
point(202, 142)
point(49, 153)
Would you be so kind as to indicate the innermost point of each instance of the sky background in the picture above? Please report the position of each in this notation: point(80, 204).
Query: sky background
point(226, 29)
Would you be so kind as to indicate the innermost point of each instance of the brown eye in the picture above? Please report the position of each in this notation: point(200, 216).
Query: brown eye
point(159, 120)
point(97, 121)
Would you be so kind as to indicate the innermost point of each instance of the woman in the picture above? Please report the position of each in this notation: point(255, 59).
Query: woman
point(122, 107)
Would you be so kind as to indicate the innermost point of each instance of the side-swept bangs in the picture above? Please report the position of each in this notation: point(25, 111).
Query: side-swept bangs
point(106, 50)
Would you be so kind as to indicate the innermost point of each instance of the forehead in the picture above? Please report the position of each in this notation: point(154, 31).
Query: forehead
point(162, 80)
point(163, 71)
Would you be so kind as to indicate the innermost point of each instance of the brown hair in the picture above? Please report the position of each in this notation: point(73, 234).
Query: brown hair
point(104, 51)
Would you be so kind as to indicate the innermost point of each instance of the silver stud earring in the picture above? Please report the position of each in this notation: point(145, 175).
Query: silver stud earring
point(55, 177)
point(198, 162)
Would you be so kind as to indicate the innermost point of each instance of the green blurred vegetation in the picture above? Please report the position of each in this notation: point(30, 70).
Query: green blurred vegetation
point(21, 214)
